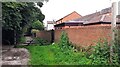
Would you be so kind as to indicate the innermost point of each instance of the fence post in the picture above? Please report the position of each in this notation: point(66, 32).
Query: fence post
point(52, 36)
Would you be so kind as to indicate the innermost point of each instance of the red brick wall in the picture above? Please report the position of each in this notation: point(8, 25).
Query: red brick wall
point(44, 35)
point(85, 36)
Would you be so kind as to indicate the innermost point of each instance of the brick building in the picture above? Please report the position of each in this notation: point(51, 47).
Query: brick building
point(101, 18)
point(71, 16)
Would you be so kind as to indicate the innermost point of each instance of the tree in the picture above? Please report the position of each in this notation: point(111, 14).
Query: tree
point(37, 25)
point(16, 16)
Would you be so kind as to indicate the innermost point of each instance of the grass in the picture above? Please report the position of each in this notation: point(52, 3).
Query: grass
point(53, 55)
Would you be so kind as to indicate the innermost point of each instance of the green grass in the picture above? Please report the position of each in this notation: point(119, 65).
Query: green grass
point(53, 55)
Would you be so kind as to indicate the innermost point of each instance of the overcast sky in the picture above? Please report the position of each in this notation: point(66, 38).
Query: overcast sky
point(56, 9)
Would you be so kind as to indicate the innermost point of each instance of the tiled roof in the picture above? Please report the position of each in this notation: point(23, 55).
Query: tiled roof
point(101, 16)
point(87, 17)
point(104, 16)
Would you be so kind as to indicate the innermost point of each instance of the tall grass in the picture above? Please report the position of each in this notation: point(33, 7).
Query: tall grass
point(54, 55)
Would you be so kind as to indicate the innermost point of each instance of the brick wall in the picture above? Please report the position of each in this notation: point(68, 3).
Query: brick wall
point(46, 35)
point(83, 36)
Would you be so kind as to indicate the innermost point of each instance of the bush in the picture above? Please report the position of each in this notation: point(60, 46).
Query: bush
point(64, 41)
point(40, 41)
point(101, 54)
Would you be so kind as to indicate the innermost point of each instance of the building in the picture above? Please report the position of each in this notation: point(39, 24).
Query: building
point(69, 24)
point(50, 25)
point(101, 18)
point(71, 16)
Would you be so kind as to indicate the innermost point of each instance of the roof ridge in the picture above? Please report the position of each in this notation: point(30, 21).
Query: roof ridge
point(68, 15)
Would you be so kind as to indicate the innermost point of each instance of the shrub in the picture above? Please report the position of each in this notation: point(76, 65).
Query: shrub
point(64, 41)
point(101, 54)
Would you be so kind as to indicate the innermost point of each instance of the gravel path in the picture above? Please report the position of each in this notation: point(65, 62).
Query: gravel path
point(15, 56)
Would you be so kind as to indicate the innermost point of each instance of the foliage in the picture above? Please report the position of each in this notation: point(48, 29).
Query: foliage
point(19, 16)
point(54, 55)
point(101, 54)
point(117, 44)
point(64, 41)
point(40, 41)
point(35, 31)
point(37, 25)
point(16, 15)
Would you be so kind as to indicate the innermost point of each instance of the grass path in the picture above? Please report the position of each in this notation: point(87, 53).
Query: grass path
point(53, 55)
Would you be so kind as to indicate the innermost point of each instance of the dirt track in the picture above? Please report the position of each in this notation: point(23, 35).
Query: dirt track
point(15, 56)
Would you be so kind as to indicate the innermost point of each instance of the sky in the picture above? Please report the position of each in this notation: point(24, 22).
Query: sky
point(56, 9)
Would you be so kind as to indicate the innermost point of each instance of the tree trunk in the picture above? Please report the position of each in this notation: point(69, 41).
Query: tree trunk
point(15, 39)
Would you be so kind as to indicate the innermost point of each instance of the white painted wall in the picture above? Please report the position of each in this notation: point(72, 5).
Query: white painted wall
point(50, 26)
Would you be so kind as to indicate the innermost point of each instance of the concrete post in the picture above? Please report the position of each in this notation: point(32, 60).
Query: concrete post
point(113, 28)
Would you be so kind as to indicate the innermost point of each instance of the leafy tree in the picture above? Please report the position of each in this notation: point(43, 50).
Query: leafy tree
point(37, 25)
point(16, 16)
